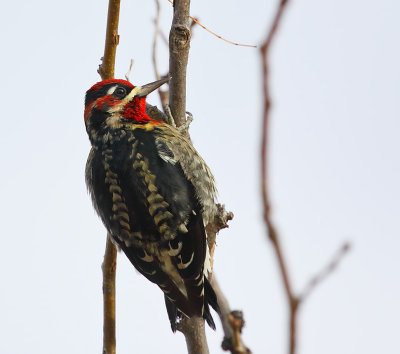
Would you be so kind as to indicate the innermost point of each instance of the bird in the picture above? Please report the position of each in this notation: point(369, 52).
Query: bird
point(154, 194)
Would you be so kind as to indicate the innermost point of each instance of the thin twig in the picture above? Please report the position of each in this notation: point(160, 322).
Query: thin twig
point(163, 94)
point(291, 298)
point(128, 74)
point(216, 35)
point(232, 323)
point(106, 71)
point(325, 272)
point(293, 301)
point(156, 34)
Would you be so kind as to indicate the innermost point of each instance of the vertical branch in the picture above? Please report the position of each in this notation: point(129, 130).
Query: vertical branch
point(106, 71)
point(195, 335)
point(163, 94)
point(294, 301)
point(179, 44)
point(272, 234)
point(156, 34)
point(109, 269)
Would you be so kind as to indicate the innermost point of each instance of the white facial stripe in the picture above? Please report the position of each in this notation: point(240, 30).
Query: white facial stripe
point(111, 90)
point(133, 93)
point(129, 97)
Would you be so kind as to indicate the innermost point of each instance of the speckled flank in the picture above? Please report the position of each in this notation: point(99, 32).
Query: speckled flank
point(158, 207)
point(119, 209)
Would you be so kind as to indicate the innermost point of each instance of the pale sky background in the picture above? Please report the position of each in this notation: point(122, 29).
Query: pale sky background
point(335, 172)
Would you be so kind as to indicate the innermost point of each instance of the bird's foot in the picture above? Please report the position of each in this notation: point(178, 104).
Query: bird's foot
point(184, 128)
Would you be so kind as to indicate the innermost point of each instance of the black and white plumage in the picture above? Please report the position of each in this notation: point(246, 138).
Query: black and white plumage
point(154, 194)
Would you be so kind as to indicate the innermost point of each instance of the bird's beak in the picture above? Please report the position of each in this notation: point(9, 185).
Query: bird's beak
point(143, 91)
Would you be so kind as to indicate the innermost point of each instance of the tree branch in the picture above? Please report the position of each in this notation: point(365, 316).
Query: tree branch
point(232, 323)
point(293, 300)
point(109, 267)
point(156, 34)
point(325, 272)
point(195, 335)
point(179, 44)
point(106, 71)
point(163, 94)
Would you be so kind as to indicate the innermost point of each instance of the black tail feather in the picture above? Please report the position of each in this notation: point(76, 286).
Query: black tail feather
point(210, 296)
point(172, 313)
point(207, 316)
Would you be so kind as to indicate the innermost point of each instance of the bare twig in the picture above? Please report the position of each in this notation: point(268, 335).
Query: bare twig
point(128, 74)
point(156, 34)
point(220, 37)
point(109, 269)
point(163, 94)
point(106, 71)
point(179, 44)
point(293, 300)
point(195, 20)
point(325, 272)
point(232, 323)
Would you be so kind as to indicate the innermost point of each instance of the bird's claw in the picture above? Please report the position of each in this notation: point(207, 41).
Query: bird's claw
point(184, 128)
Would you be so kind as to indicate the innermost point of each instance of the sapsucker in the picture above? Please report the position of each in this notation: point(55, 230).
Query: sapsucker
point(154, 194)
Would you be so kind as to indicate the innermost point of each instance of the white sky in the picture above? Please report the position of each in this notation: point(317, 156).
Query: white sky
point(334, 167)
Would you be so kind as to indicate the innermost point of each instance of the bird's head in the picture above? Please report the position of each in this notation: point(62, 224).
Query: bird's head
point(112, 104)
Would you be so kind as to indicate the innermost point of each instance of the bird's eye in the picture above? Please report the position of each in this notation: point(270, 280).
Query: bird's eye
point(120, 92)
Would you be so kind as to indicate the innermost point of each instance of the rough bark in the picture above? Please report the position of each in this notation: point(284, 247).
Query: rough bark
point(179, 45)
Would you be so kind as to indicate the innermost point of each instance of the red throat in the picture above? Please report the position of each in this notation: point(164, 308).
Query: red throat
point(136, 110)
